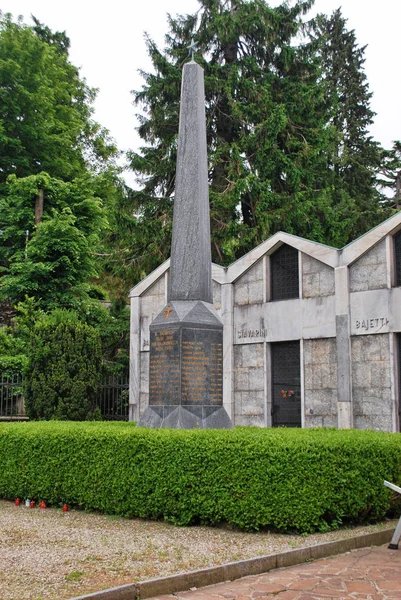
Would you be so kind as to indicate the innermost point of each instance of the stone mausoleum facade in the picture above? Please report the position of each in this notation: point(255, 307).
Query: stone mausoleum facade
point(312, 334)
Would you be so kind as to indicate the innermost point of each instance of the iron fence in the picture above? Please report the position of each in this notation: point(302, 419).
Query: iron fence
point(112, 400)
point(11, 398)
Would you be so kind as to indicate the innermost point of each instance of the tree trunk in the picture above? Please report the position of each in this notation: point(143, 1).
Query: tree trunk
point(39, 207)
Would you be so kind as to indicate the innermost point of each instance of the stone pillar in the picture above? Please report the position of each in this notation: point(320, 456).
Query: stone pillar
point(343, 343)
point(227, 293)
point(135, 357)
point(191, 258)
point(186, 338)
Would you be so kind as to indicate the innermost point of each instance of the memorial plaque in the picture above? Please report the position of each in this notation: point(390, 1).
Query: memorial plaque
point(164, 371)
point(202, 367)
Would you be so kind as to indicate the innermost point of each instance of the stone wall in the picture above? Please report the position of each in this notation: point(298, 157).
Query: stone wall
point(317, 278)
point(249, 288)
point(249, 385)
point(153, 299)
point(370, 271)
point(371, 382)
point(152, 302)
point(216, 295)
point(144, 383)
point(320, 383)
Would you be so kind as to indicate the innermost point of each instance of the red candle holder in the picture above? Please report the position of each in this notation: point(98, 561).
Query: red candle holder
point(32, 504)
point(65, 508)
point(17, 502)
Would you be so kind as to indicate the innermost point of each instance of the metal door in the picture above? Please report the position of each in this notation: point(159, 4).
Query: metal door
point(286, 384)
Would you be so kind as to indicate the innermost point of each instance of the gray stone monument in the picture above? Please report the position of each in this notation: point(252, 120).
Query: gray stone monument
point(186, 338)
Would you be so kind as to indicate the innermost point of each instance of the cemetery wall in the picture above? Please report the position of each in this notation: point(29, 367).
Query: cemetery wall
point(371, 382)
point(347, 320)
point(317, 278)
point(249, 385)
point(320, 383)
point(370, 271)
point(248, 290)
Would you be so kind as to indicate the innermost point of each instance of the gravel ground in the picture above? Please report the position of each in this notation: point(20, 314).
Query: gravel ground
point(51, 554)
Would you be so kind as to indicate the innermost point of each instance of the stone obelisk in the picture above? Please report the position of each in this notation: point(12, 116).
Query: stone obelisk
point(186, 338)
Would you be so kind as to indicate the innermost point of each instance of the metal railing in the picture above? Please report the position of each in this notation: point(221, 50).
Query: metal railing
point(11, 398)
point(112, 400)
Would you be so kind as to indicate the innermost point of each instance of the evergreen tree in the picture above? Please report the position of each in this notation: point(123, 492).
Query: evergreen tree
point(64, 369)
point(265, 127)
point(268, 140)
point(355, 156)
point(390, 176)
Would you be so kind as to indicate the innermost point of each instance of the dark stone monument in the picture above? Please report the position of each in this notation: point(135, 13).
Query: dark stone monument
point(186, 338)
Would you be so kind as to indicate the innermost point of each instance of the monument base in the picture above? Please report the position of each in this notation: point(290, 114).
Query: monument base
point(186, 369)
point(186, 417)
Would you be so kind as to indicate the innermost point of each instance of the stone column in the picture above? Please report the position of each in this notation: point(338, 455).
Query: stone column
point(135, 357)
point(343, 343)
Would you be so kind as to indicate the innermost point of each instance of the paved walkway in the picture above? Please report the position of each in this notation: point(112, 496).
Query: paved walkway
point(365, 574)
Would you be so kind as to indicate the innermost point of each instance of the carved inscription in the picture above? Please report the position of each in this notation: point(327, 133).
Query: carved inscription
point(368, 324)
point(202, 367)
point(164, 367)
point(251, 333)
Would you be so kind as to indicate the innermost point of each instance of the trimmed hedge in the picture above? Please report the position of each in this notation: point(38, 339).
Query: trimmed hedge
point(289, 479)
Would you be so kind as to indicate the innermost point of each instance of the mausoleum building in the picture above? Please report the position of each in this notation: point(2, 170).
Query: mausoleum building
point(311, 334)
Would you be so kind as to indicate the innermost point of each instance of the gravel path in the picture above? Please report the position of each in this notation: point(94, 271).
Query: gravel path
point(50, 554)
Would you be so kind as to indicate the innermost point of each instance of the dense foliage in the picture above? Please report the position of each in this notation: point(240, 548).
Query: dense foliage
point(252, 478)
point(52, 259)
point(59, 198)
point(354, 157)
point(288, 113)
point(64, 369)
point(45, 107)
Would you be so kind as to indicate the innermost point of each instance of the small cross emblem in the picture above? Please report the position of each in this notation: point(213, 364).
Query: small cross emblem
point(192, 48)
point(167, 312)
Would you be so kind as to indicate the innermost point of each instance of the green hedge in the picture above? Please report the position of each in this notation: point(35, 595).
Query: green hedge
point(290, 479)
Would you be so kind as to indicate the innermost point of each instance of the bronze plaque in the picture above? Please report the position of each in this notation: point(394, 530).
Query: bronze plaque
point(202, 367)
point(164, 367)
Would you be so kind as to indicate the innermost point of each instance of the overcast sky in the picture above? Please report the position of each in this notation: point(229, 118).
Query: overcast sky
point(107, 43)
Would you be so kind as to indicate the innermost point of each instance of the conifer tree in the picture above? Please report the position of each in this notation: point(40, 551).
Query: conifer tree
point(355, 156)
point(268, 142)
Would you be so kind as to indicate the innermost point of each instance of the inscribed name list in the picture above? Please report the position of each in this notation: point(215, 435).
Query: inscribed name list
point(164, 370)
point(201, 367)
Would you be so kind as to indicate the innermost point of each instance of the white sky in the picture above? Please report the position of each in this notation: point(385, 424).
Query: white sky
point(107, 43)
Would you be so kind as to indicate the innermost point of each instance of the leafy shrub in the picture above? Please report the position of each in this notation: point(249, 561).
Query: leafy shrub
point(13, 353)
point(300, 480)
point(64, 369)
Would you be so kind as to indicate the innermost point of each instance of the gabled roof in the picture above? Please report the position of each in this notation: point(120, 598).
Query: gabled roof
point(354, 250)
point(325, 254)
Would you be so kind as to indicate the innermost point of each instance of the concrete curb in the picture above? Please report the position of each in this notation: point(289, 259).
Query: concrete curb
point(236, 570)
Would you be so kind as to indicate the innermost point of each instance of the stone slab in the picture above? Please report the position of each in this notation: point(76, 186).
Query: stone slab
point(307, 318)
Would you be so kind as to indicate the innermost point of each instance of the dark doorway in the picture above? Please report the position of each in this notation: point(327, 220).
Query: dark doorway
point(286, 384)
